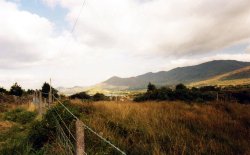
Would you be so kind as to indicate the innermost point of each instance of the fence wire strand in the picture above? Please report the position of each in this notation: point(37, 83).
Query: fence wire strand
point(91, 130)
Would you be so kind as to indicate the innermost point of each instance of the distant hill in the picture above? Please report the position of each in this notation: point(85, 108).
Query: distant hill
point(217, 72)
point(184, 75)
point(237, 77)
point(70, 91)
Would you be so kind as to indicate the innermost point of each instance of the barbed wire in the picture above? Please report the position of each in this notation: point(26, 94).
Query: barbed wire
point(91, 130)
point(65, 125)
point(84, 125)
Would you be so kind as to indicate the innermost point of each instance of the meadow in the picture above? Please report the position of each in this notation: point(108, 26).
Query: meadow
point(170, 127)
point(167, 127)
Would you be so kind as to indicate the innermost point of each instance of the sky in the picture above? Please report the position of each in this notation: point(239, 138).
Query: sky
point(115, 38)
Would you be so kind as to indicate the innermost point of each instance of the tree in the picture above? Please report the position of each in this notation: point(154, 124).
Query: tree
point(46, 89)
point(16, 90)
point(99, 97)
point(2, 90)
point(151, 87)
point(180, 87)
point(30, 91)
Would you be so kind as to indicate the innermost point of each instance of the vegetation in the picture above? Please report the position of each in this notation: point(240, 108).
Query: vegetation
point(16, 90)
point(181, 92)
point(46, 89)
point(240, 94)
point(190, 75)
point(81, 95)
point(20, 116)
point(14, 131)
point(27, 135)
point(99, 97)
point(2, 90)
point(169, 127)
point(236, 77)
point(43, 132)
point(85, 96)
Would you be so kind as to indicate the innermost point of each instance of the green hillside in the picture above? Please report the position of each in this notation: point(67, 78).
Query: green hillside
point(184, 75)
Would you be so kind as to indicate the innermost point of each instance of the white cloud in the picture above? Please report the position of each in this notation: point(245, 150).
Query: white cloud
point(117, 37)
point(160, 26)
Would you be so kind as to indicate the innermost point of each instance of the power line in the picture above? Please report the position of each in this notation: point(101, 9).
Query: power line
point(74, 26)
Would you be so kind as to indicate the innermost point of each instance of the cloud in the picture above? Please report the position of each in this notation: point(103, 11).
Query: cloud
point(22, 36)
point(177, 27)
point(117, 37)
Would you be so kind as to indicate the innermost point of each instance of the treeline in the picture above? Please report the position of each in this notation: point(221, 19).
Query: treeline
point(202, 94)
point(85, 96)
point(17, 90)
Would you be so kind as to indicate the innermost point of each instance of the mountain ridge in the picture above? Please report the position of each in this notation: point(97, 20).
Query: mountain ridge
point(186, 75)
point(177, 75)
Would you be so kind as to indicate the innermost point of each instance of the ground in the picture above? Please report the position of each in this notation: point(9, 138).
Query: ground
point(148, 128)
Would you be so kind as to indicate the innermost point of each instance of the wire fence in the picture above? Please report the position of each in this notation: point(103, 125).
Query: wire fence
point(66, 134)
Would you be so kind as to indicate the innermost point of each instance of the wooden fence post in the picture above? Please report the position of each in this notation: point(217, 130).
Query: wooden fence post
point(80, 145)
point(40, 102)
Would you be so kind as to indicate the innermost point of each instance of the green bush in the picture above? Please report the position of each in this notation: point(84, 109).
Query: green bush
point(99, 97)
point(180, 93)
point(20, 116)
point(44, 131)
point(81, 95)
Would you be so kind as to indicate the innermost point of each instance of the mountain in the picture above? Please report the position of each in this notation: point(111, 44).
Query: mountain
point(186, 75)
point(238, 77)
point(70, 91)
point(217, 72)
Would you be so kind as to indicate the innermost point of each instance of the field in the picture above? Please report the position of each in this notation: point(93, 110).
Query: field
point(142, 128)
point(171, 127)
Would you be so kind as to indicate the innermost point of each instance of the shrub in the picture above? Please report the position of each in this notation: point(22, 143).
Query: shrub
point(82, 95)
point(180, 93)
point(45, 130)
point(99, 97)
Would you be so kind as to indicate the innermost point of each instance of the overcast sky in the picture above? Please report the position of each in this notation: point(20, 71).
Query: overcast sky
point(115, 37)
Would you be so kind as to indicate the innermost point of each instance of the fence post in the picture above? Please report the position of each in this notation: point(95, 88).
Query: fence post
point(34, 97)
point(80, 145)
point(40, 102)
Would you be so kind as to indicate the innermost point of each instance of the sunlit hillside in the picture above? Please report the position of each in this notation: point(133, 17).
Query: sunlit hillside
point(237, 77)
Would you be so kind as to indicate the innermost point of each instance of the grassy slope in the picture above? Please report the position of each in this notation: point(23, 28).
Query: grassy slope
point(170, 127)
point(221, 80)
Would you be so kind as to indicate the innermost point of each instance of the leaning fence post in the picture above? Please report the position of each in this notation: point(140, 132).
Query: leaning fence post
point(80, 145)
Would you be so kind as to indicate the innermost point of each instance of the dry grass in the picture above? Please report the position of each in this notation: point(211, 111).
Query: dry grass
point(171, 127)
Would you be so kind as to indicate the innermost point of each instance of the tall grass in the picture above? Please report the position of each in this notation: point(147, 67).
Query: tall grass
point(170, 127)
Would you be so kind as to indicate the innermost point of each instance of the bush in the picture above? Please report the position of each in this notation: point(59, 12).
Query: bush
point(242, 96)
point(99, 97)
point(180, 93)
point(82, 95)
point(44, 131)
point(20, 116)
